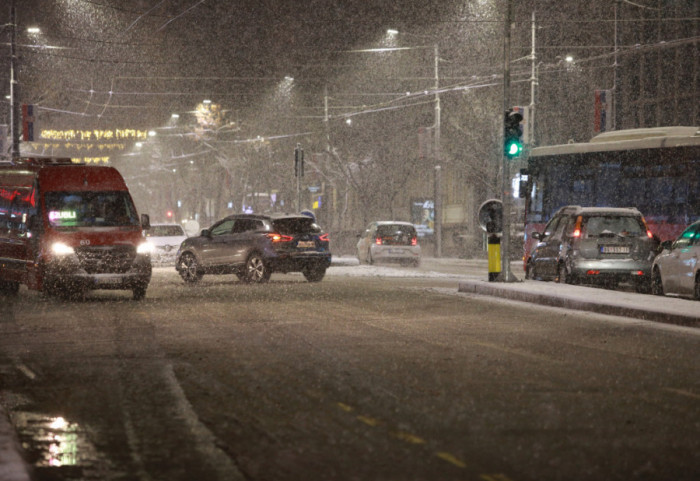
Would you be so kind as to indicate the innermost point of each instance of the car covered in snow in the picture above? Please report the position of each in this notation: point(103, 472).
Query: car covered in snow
point(165, 240)
point(389, 241)
point(676, 269)
point(594, 245)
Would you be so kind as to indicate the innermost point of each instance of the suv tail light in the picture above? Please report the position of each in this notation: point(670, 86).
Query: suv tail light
point(378, 241)
point(279, 237)
point(414, 241)
point(577, 228)
point(323, 238)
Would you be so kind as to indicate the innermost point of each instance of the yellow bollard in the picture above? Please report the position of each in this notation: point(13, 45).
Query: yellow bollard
point(494, 251)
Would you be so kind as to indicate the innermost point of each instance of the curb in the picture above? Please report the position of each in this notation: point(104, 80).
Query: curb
point(520, 293)
point(12, 466)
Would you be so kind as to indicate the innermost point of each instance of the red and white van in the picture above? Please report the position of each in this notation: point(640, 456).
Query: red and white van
point(68, 228)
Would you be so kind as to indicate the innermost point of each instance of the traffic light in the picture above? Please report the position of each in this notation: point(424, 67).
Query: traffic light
point(512, 138)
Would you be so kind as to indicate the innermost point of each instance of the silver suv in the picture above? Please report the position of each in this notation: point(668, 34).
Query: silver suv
point(594, 245)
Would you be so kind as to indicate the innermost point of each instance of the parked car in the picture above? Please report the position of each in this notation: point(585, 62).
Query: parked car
point(166, 240)
point(676, 270)
point(389, 241)
point(594, 245)
point(254, 246)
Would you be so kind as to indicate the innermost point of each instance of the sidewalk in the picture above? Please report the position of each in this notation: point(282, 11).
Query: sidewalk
point(665, 309)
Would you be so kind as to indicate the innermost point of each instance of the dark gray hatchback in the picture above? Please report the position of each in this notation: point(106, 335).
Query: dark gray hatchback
point(594, 245)
point(254, 246)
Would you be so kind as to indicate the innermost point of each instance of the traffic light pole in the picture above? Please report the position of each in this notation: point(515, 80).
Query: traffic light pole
point(298, 172)
point(506, 196)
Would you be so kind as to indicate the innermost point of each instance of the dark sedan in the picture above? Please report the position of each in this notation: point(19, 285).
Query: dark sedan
point(254, 246)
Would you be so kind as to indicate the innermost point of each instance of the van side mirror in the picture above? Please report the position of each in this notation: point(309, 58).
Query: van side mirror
point(537, 235)
point(145, 222)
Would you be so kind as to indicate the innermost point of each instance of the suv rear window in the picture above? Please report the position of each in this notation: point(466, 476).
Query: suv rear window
point(296, 225)
point(608, 225)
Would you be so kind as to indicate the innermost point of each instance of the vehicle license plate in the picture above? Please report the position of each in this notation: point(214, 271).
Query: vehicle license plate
point(108, 280)
point(615, 249)
point(306, 244)
point(395, 251)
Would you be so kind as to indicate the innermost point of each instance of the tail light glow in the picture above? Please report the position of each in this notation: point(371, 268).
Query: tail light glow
point(592, 272)
point(577, 228)
point(414, 241)
point(323, 238)
point(649, 234)
point(378, 241)
point(279, 237)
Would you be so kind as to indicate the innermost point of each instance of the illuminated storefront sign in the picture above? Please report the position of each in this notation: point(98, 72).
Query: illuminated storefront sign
point(94, 135)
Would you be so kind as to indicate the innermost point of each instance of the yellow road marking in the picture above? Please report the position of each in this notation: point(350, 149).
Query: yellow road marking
point(682, 392)
point(408, 437)
point(451, 459)
point(345, 407)
point(368, 420)
point(495, 477)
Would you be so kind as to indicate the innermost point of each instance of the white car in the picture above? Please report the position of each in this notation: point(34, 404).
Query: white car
point(676, 270)
point(389, 241)
point(166, 240)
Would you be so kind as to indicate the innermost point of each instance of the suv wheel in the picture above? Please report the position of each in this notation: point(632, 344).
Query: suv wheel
point(189, 269)
point(563, 276)
point(9, 287)
point(139, 293)
point(529, 271)
point(657, 287)
point(256, 271)
point(314, 274)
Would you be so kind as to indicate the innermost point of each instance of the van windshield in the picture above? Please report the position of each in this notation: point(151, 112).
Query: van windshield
point(90, 209)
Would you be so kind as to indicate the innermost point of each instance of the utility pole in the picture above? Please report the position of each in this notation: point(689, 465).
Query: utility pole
point(14, 84)
point(533, 85)
point(298, 172)
point(505, 179)
point(437, 205)
point(615, 101)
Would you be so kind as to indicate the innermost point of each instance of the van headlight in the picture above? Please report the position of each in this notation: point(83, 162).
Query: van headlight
point(61, 249)
point(145, 248)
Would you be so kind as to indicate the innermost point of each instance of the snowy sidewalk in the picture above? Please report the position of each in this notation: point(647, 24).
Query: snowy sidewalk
point(666, 309)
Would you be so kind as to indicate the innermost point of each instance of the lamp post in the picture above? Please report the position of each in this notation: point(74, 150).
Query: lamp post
point(505, 170)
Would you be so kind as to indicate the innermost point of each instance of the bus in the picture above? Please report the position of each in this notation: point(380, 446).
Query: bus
point(656, 170)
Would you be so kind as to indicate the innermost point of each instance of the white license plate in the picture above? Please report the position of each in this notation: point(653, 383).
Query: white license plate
point(396, 251)
point(615, 249)
point(306, 244)
point(108, 280)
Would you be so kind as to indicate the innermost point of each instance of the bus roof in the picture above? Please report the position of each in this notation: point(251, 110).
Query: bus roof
point(650, 138)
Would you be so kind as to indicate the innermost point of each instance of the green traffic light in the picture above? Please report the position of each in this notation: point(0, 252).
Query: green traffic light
point(513, 149)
